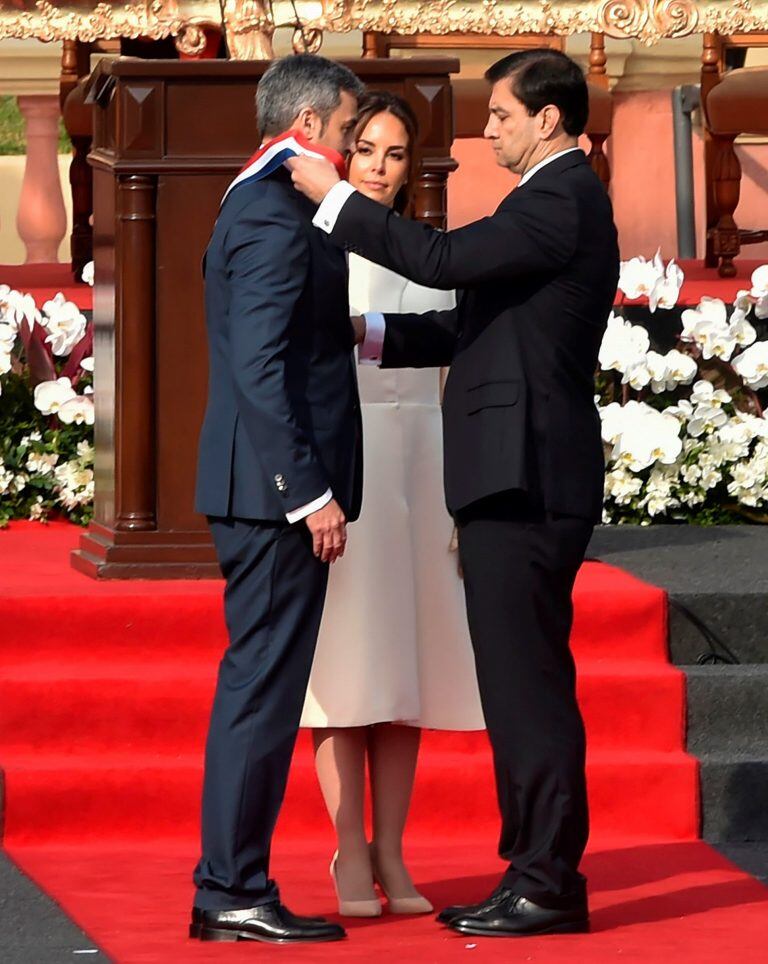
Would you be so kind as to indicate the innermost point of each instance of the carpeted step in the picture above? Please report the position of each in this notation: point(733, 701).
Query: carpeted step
point(149, 796)
point(734, 796)
point(52, 613)
point(164, 707)
point(727, 709)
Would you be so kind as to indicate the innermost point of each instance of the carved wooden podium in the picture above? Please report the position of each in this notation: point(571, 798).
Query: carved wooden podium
point(168, 138)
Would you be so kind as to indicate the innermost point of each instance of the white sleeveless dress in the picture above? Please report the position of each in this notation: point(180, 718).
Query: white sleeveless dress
point(394, 644)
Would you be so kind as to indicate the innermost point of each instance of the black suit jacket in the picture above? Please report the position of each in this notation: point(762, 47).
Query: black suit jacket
point(537, 281)
point(282, 424)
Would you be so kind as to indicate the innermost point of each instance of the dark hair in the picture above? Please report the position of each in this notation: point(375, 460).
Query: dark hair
point(542, 76)
point(383, 102)
point(303, 80)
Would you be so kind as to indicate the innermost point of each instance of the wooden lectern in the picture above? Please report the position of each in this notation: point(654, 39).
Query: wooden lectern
point(168, 138)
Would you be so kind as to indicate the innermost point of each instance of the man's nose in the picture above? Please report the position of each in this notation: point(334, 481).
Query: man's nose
point(489, 131)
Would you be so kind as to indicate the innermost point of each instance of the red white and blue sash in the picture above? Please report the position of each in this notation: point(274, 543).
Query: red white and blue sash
point(277, 151)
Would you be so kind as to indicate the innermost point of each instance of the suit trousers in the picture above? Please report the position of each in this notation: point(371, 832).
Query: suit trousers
point(520, 564)
point(273, 601)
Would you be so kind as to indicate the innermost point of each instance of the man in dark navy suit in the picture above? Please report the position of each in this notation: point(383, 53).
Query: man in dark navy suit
point(280, 474)
point(523, 455)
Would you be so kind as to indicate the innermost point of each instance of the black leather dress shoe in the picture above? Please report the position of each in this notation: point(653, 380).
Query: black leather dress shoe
point(514, 916)
point(270, 923)
point(469, 910)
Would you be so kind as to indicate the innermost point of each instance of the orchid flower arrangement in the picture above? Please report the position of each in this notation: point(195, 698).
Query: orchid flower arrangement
point(46, 409)
point(685, 433)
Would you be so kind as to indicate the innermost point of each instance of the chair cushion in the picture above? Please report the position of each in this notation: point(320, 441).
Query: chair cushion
point(470, 106)
point(78, 116)
point(739, 103)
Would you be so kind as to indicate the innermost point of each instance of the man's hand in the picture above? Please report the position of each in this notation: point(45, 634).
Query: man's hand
point(313, 176)
point(359, 328)
point(329, 532)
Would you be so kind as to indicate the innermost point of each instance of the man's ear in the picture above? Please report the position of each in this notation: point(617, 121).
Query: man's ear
point(308, 123)
point(549, 121)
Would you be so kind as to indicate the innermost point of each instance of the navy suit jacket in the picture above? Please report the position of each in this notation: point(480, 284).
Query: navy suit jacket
point(282, 423)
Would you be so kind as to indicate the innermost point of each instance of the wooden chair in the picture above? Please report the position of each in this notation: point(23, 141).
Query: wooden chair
point(471, 96)
point(734, 101)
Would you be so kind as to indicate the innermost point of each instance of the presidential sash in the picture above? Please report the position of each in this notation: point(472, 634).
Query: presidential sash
point(276, 152)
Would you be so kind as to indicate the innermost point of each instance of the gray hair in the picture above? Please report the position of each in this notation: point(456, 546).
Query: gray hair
point(293, 83)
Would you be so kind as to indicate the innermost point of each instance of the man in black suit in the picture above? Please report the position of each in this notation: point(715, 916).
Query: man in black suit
point(523, 454)
point(280, 473)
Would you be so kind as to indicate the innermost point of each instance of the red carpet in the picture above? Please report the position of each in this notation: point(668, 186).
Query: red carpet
point(43, 281)
point(104, 697)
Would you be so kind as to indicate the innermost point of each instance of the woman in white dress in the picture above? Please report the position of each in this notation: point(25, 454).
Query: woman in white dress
point(393, 654)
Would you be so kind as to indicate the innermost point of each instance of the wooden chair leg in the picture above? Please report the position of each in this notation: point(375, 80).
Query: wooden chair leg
point(598, 160)
point(710, 77)
point(81, 182)
point(710, 206)
point(726, 188)
point(597, 73)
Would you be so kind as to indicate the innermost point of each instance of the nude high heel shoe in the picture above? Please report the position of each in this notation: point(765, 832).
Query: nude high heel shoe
point(400, 905)
point(353, 908)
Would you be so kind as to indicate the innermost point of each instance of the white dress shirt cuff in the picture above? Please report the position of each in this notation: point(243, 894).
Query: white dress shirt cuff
point(369, 353)
point(303, 511)
point(330, 208)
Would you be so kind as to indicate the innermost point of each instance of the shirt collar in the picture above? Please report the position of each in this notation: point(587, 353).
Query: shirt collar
point(547, 160)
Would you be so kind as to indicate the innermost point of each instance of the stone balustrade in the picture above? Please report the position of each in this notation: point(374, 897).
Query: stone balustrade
point(30, 71)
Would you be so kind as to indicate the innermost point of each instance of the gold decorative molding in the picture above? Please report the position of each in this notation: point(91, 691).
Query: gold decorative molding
point(251, 23)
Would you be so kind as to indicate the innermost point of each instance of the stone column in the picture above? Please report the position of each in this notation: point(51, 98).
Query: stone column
point(41, 220)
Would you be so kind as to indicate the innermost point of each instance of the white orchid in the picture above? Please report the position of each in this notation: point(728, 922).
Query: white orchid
point(759, 291)
point(705, 393)
point(6, 479)
point(760, 282)
point(742, 331)
point(15, 307)
point(706, 419)
point(50, 396)
point(624, 345)
point(85, 451)
point(752, 365)
point(42, 463)
point(78, 410)
point(638, 277)
point(708, 327)
point(735, 436)
point(614, 417)
point(644, 436)
point(622, 486)
point(87, 274)
point(708, 414)
point(681, 368)
point(87, 364)
point(65, 324)
point(666, 290)
point(659, 497)
point(638, 375)
point(7, 337)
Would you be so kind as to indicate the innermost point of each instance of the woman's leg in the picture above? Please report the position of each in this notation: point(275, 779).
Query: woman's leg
point(340, 764)
point(392, 754)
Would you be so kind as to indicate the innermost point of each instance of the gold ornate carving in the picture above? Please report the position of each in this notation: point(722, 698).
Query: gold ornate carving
point(190, 39)
point(251, 23)
point(307, 40)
